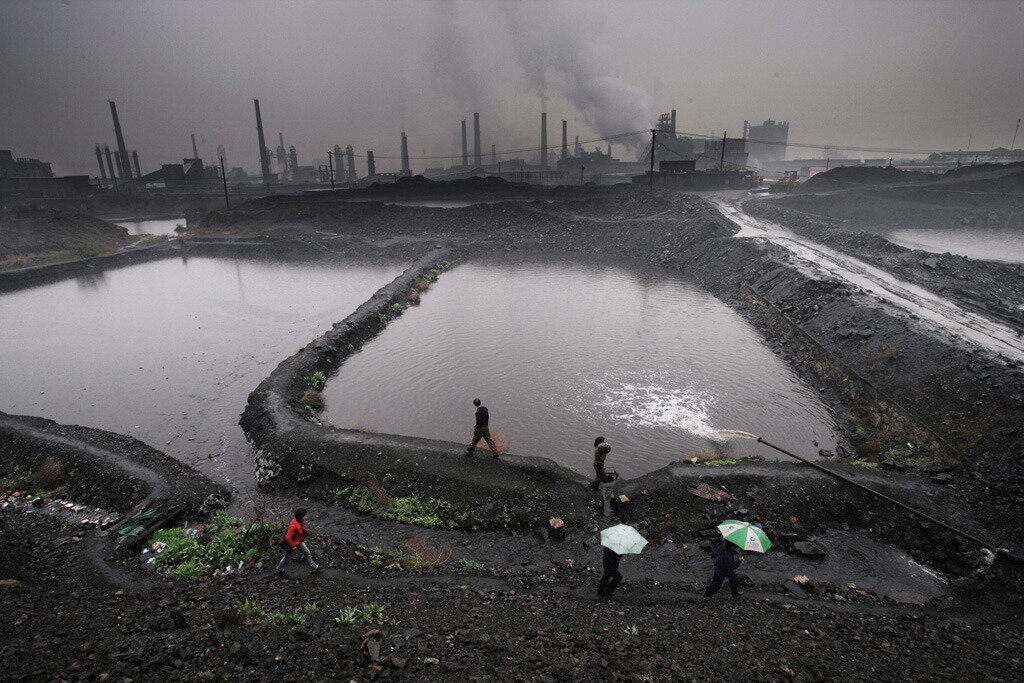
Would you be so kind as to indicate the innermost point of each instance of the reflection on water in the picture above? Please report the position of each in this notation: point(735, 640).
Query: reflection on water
point(160, 226)
point(993, 244)
point(168, 351)
point(561, 352)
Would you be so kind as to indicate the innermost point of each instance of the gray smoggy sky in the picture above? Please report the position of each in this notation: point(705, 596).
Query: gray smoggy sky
point(894, 75)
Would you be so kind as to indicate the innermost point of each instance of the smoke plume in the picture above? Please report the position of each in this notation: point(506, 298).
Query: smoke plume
point(548, 46)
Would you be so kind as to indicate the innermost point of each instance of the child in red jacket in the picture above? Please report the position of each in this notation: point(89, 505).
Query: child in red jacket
point(293, 539)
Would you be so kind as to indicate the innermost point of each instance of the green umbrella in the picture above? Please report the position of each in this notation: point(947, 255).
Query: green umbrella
point(745, 535)
point(623, 539)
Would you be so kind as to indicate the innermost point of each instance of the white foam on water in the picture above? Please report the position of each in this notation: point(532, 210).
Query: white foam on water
point(641, 403)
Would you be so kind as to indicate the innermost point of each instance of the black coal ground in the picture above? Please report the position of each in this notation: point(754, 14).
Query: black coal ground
point(539, 619)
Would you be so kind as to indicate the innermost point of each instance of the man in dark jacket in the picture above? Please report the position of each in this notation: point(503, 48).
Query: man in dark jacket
point(611, 577)
point(601, 450)
point(481, 430)
point(727, 561)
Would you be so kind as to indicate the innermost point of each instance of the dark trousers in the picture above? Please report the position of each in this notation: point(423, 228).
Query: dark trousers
point(611, 577)
point(485, 434)
point(716, 583)
point(598, 477)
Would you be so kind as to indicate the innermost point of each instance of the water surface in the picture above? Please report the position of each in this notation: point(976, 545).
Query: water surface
point(157, 226)
point(168, 351)
point(562, 351)
point(992, 244)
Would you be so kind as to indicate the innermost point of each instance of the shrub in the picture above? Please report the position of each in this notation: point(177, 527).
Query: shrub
point(229, 617)
point(471, 564)
point(229, 545)
point(414, 297)
point(312, 399)
point(397, 308)
point(47, 475)
point(317, 380)
point(421, 285)
point(383, 319)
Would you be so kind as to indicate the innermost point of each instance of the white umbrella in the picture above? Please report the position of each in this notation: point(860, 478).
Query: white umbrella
point(623, 539)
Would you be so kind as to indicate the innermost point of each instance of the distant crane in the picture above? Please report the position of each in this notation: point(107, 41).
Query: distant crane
point(1015, 130)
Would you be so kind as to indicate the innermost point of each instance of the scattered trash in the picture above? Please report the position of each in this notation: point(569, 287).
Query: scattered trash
point(75, 513)
point(555, 523)
point(703, 490)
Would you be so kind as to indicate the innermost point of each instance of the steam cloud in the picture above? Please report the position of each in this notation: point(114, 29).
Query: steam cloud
point(546, 42)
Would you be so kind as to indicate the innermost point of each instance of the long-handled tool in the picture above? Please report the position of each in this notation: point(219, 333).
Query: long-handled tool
point(1003, 552)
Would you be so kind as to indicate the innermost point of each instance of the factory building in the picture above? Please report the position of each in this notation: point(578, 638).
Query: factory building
point(27, 179)
point(766, 142)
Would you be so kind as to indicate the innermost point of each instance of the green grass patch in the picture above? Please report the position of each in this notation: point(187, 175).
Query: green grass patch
point(430, 513)
point(866, 463)
point(250, 609)
point(397, 308)
point(366, 613)
point(471, 564)
point(719, 462)
point(286, 619)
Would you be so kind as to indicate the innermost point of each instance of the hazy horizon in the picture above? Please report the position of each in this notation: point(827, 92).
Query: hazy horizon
point(887, 75)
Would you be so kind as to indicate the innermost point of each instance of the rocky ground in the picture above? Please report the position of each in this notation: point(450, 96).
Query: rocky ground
point(63, 621)
point(539, 618)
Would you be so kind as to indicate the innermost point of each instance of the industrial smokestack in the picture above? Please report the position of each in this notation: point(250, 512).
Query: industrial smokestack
point(103, 171)
point(339, 163)
point(135, 159)
point(465, 145)
point(195, 152)
point(110, 165)
point(264, 160)
point(351, 154)
point(371, 169)
point(576, 149)
point(565, 139)
point(544, 139)
point(405, 155)
point(123, 167)
point(477, 160)
point(119, 165)
point(673, 122)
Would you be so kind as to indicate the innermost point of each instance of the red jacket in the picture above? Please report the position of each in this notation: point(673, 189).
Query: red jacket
point(295, 534)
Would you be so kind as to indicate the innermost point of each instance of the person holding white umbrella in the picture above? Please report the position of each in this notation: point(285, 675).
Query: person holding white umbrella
point(617, 540)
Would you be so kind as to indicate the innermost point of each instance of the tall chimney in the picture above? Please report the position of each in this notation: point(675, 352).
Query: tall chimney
point(673, 122)
point(371, 169)
point(264, 160)
point(565, 139)
point(123, 166)
point(195, 152)
point(465, 145)
point(351, 154)
point(477, 160)
point(576, 147)
point(119, 165)
point(110, 165)
point(339, 163)
point(405, 155)
point(135, 158)
point(103, 171)
point(544, 139)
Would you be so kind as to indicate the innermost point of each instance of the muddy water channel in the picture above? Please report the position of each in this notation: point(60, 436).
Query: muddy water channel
point(561, 351)
point(168, 351)
point(153, 226)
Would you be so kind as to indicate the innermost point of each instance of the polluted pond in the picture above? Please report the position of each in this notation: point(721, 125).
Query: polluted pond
point(562, 349)
point(167, 351)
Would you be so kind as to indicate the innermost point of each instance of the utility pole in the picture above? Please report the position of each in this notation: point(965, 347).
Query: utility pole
point(1015, 131)
point(721, 161)
point(330, 163)
point(224, 179)
point(582, 168)
point(650, 174)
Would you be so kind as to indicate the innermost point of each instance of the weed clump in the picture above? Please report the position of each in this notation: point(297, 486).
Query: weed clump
point(417, 553)
point(229, 543)
point(313, 399)
point(317, 380)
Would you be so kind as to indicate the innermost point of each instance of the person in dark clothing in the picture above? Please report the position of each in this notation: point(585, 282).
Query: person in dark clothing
point(611, 577)
point(294, 539)
point(727, 561)
point(481, 430)
point(601, 450)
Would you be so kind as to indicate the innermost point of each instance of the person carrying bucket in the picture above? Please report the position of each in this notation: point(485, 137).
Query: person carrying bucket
point(601, 450)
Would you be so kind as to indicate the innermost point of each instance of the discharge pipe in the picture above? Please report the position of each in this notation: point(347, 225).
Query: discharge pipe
point(974, 539)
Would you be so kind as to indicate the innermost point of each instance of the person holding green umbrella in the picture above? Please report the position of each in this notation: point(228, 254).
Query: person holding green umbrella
point(617, 540)
point(736, 535)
